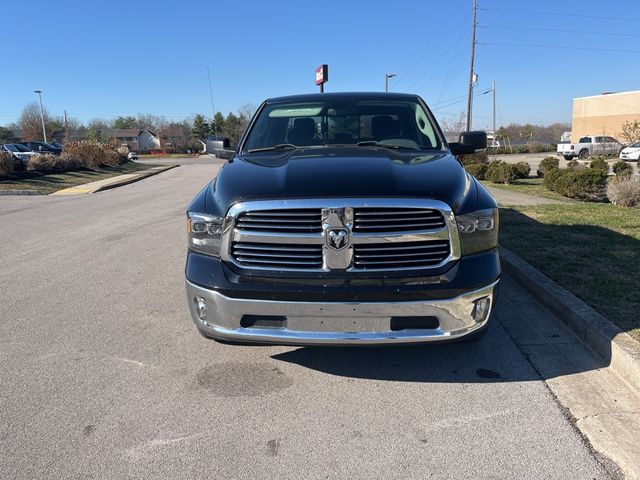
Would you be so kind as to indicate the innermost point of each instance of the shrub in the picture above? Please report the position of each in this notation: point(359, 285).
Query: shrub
point(521, 169)
point(478, 170)
point(584, 184)
point(500, 172)
point(51, 163)
point(600, 164)
point(622, 169)
point(94, 154)
point(547, 163)
point(574, 165)
point(551, 176)
point(625, 191)
point(474, 158)
point(6, 163)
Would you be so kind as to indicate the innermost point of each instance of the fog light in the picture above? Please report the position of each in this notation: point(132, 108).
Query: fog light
point(201, 307)
point(481, 309)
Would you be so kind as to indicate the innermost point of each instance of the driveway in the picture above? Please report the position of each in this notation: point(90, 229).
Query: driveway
point(105, 376)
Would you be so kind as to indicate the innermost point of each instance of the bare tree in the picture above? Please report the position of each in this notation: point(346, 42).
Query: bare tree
point(630, 131)
point(154, 123)
point(452, 127)
point(30, 122)
point(176, 135)
point(247, 110)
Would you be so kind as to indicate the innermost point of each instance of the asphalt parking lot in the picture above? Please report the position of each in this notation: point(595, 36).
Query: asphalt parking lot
point(105, 376)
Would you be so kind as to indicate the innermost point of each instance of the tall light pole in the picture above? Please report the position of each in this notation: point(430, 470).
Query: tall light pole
point(493, 89)
point(44, 132)
point(213, 109)
point(387, 76)
point(471, 69)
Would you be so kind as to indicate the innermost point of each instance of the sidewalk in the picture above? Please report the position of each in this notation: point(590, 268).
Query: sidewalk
point(507, 197)
point(113, 182)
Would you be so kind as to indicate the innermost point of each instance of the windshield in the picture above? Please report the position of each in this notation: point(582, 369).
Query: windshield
point(635, 145)
point(401, 123)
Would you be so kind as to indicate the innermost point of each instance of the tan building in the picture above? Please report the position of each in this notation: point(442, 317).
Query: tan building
point(604, 114)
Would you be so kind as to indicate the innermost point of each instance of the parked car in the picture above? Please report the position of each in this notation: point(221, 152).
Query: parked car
point(57, 145)
point(19, 151)
point(344, 218)
point(42, 147)
point(132, 156)
point(632, 152)
point(590, 145)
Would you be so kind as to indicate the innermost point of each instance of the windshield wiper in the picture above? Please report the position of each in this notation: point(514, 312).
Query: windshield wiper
point(280, 146)
point(373, 143)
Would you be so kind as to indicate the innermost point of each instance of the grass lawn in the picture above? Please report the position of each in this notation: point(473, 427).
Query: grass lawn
point(50, 182)
point(593, 250)
point(530, 186)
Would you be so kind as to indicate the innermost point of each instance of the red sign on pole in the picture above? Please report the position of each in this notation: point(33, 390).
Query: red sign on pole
point(322, 74)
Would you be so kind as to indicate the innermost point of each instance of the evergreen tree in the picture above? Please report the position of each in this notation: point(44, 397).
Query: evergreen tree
point(200, 128)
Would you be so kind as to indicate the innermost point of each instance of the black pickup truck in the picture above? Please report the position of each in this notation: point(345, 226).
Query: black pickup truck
point(344, 219)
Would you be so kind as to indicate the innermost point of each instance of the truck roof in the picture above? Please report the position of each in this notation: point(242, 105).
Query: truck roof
point(310, 97)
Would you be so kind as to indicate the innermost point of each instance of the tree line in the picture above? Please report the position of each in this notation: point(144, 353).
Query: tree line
point(513, 133)
point(178, 135)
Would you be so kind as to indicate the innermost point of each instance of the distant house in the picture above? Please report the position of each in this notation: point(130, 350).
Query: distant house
point(135, 139)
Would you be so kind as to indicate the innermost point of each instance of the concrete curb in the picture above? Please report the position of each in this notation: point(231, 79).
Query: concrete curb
point(19, 192)
point(146, 174)
point(112, 182)
point(595, 330)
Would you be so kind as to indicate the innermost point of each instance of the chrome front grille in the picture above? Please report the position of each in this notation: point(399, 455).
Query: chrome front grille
point(350, 234)
point(402, 255)
point(371, 220)
point(277, 255)
point(304, 220)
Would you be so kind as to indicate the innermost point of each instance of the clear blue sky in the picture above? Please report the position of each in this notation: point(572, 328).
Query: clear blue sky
point(102, 59)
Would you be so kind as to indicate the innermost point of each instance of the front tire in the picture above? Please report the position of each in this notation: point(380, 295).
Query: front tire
point(584, 154)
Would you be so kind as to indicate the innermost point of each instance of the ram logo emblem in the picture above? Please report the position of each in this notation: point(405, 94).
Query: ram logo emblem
point(337, 238)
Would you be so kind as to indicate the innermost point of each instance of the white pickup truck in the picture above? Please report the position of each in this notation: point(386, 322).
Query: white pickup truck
point(589, 146)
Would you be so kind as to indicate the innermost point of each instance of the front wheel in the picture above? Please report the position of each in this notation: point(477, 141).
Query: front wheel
point(583, 154)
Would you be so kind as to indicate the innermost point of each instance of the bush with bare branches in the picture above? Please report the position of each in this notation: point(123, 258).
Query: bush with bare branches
point(624, 191)
point(53, 163)
point(94, 154)
point(6, 163)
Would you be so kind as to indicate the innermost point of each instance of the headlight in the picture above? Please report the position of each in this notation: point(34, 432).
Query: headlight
point(478, 231)
point(204, 233)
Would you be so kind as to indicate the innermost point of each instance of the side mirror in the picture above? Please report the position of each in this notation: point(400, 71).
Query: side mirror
point(469, 143)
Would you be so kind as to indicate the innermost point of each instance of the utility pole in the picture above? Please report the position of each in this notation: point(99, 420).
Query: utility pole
point(213, 110)
point(493, 88)
point(387, 76)
point(66, 127)
point(471, 69)
point(44, 132)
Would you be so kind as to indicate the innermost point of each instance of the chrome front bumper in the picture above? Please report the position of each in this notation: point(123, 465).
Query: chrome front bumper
point(337, 323)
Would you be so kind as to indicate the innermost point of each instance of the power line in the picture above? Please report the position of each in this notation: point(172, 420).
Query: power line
point(460, 101)
point(561, 30)
point(560, 47)
point(554, 14)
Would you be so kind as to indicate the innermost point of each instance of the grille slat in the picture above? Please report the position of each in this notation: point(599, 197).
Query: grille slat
point(403, 246)
point(405, 255)
point(281, 221)
point(277, 255)
point(367, 256)
point(380, 219)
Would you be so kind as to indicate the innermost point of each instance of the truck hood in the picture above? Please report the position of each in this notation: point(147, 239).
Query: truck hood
point(342, 172)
